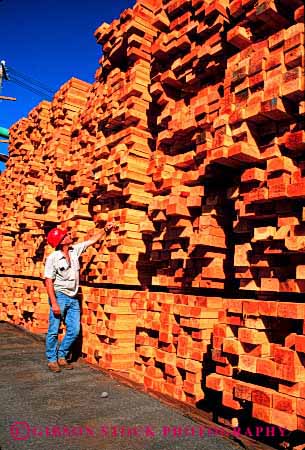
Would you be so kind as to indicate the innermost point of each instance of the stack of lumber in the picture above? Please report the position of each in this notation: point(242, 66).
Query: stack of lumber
point(172, 340)
point(259, 351)
point(29, 198)
point(190, 139)
point(24, 302)
point(188, 235)
point(113, 136)
point(108, 328)
point(264, 140)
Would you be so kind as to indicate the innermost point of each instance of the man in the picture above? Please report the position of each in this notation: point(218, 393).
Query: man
point(62, 283)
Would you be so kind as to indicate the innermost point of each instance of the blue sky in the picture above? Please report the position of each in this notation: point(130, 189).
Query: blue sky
point(49, 41)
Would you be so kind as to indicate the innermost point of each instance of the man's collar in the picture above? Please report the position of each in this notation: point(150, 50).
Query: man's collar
point(62, 255)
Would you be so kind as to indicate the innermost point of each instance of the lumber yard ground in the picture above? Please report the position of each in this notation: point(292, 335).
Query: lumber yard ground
point(46, 411)
point(191, 139)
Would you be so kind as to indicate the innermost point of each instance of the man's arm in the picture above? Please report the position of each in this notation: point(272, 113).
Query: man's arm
point(49, 276)
point(101, 234)
point(51, 293)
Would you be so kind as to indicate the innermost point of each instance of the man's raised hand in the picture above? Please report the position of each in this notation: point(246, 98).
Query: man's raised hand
point(111, 226)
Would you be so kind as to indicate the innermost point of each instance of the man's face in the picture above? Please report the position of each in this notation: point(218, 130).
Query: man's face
point(67, 240)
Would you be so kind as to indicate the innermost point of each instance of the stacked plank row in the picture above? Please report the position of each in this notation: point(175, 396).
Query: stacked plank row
point(21, 193)
point(29, 201)
point(248, 140)
point(189, 221)
point(266, 131)
point(172, 343)
point(114, 137)
point(258, 344)
point(235, 142)
point(25, 303)
point(191, 140)
point(108, 328)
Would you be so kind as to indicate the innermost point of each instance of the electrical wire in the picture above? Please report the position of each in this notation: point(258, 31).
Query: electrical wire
point(31, 88)
point(29, 83)
point(28, 79)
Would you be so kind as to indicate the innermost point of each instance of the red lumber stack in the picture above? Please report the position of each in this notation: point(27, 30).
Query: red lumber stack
point(191, 139)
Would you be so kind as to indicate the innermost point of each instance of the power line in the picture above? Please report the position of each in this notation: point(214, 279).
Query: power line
point(31, 88)
point(26, 82)
point(16, 74)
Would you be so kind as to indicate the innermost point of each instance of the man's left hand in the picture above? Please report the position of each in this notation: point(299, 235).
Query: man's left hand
point(110, 226)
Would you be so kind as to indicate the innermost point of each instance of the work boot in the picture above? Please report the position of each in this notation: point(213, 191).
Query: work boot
point(54, 367)
point(63, 364)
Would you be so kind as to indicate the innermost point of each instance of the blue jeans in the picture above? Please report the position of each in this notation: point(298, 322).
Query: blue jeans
point(70, 311)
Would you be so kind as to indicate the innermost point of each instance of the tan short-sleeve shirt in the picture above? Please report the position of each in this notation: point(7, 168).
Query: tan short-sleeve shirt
point(65, 276)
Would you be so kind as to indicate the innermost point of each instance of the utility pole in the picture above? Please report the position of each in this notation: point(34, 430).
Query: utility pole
point(3, 131)
point(4, 76)
point(3, 73)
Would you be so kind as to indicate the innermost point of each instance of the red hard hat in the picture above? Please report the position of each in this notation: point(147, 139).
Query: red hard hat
point(55, 236)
